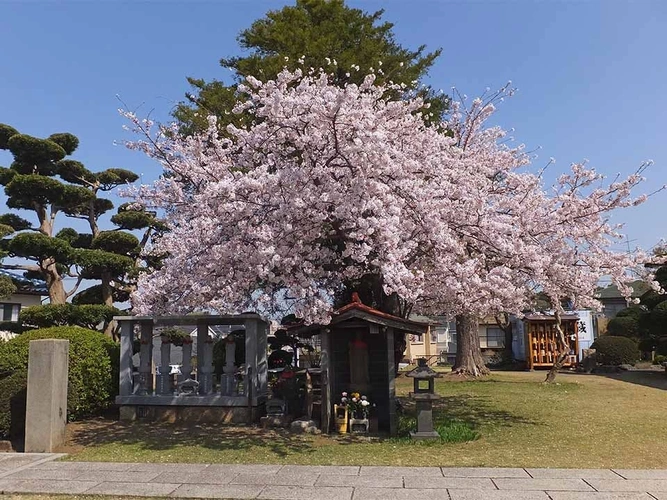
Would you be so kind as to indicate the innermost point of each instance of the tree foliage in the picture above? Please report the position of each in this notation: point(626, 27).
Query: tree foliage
point(327, 34)
point(332, 184)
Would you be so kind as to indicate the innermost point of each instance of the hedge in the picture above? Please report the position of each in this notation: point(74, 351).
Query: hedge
point(615, 351)
point(12, 403)
point(93, 369)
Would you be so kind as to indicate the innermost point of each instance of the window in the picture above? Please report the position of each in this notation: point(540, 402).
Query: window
point(492, 337)
point(10, 312)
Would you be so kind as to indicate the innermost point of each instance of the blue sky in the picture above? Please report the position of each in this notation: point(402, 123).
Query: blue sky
point(590, 75)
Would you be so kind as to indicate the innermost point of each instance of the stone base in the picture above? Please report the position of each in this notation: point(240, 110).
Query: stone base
point(270, 421)
point(424, 435)
point(190, 414)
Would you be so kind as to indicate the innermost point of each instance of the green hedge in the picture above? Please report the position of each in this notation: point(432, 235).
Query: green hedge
point(12, 403)
point(93, 368)
point(615, 351)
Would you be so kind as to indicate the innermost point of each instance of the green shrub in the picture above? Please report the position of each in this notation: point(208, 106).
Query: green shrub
point(659, 359)
point(623, 326)
point(93, 366)
point(615, 351)
point(91, 316)
point(12, 403)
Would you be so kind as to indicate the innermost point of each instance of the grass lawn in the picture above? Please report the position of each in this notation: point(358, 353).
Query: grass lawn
point(586, 421)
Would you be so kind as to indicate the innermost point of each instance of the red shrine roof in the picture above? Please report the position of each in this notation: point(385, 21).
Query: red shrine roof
point(359, 310)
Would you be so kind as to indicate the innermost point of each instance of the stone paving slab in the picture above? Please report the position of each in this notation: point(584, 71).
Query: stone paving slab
point(243, 468)
point(84, 466)
point(659, 495)
point(497, 495)
point(463, 483)
point(361, 481)
point(119, 477)
point(44, 486)
point(47, 474)
point(629, 484)
point(483, 472)
point(543, 484)
point(331, 470)
point(581, 495)
point(379, 470)
point(13, 462)
point(641, 474)
point(133, 489)
point(193, 478)
point(238, 492)
point(160, 468)
point(572, 473)
point(399, 494)
point(277, 479)
point(307, 493)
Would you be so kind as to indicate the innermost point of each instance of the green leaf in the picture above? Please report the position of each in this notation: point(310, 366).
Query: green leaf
point(6, 132)
point(65, 140)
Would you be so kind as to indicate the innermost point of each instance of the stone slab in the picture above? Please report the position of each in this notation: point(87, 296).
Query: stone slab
point(243, 468)
point(51, 474)
point(121, 477)
point(642, 474)
point(307, 493)
point(542, 484)
point(496, 495)
point(464, 483)
point(330, 470)
point(659, 495)
point(484, 472)
point(399, 494)
point(45, 486)
point(379, 470)
point(361, 481)
point(629, 484)
point(160, 468)
point(133, 489)
point(193, 478)
point(305, 479)
point(238, 492)
point(84, 466)
point(572, 473)
point(581, 495)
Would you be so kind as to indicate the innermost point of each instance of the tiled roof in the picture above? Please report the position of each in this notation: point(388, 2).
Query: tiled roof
point(25, 285)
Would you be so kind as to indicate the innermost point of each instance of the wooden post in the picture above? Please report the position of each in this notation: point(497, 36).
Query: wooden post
point(391, 382)
point(125, 373)
point(325, 364)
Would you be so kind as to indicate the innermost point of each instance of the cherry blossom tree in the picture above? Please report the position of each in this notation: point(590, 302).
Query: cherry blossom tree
point(332, 184)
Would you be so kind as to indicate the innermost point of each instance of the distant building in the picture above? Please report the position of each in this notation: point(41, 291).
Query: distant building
point(612, 300)
point(29, 292)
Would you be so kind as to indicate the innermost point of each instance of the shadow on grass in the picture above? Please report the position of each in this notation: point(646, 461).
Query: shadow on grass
point(648, 378)
point(161, 436)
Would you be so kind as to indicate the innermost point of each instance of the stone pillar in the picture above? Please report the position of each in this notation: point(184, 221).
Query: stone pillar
point(186, 368)
point(164, 379)
point(251, 335)
point(204, 360)
point(125, 382)
point(46, 406)
point(325, 365)
point(146, 360)
point(227, 377)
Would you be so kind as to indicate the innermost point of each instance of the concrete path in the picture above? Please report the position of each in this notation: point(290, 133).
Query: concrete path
point(39, 473)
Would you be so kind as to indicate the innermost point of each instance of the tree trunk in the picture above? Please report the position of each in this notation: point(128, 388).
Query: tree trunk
point(54, 283)
point(564, 349)
point(469, 360)
point(107, 300)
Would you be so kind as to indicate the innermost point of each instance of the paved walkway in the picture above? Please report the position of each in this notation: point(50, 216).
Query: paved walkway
point(40, 473)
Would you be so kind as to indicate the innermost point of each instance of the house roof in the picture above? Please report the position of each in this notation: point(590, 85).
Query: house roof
point(359, 310)
point(27, 286)
point(639, 288)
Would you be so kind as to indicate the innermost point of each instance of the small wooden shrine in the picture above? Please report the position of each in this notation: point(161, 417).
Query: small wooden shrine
point(358, 355)
point(542, 345)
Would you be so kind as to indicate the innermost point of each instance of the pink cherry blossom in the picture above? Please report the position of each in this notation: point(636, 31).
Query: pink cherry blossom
point(330, 184)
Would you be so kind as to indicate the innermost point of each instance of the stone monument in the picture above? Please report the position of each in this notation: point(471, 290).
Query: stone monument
point(46, 405)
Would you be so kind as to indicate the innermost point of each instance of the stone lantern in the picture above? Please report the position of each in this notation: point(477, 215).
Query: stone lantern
point(424, 395)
